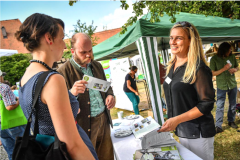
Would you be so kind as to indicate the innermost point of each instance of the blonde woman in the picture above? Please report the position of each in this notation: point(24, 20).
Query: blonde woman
point(189, 92)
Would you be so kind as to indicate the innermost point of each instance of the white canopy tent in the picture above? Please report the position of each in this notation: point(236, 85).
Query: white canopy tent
point(7, 52)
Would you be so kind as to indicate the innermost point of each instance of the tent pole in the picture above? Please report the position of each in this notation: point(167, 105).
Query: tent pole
point(147, 47)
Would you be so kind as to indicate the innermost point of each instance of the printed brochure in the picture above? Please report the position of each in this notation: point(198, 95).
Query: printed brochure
point(96, 84)
point(158, 146)
point(161, 153)
point(144, 126)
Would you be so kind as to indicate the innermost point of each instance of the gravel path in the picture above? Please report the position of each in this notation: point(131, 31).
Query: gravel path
point(3, 154)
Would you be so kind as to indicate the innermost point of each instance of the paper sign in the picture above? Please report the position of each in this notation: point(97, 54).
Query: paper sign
point(96, 84)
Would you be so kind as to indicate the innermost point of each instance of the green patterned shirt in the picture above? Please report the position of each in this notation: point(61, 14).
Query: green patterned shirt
point(96, 101)
point(225, 81)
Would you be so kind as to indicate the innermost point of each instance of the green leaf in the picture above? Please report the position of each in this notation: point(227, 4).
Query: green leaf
point(126, 6)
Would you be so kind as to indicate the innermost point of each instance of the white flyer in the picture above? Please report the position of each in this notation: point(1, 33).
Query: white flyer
point(141, 127)
point(96, 84)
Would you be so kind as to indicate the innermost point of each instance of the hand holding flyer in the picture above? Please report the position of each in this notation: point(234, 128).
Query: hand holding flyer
point(96, 84)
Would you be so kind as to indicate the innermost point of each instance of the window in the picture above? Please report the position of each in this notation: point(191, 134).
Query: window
point(4, 32)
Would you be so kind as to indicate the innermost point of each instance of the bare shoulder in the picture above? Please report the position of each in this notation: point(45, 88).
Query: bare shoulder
point(56, 79)
point(55, 88)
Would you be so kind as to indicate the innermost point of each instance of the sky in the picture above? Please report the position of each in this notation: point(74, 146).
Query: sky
point(103, 13)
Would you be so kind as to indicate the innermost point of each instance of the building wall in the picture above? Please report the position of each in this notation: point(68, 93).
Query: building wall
point(101, 36)
point(104, 35)
point(11, 42)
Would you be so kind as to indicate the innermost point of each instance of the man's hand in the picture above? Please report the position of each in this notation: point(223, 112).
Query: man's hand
point(169, 125)
point(137, 93)
point(110, 102)
point(232, 70)
point(78, 87)
point(227, 66)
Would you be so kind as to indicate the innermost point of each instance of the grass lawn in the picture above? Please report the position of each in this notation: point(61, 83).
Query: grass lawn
point(226, 144)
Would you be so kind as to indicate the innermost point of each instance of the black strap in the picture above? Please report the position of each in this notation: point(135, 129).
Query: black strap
point(38, 90)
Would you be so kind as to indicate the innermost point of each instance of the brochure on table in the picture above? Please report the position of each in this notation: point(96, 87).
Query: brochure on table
point(144, 126)
point(96, 84)
point(160, 153)
point(158, 146)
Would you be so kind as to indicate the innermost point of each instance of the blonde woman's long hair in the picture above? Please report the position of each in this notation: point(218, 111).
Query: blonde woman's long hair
point(195, 54)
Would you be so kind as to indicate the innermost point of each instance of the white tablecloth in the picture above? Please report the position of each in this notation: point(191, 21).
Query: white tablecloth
point(124, 148)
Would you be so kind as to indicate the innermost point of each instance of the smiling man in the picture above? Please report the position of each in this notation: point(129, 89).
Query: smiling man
point(94, 116)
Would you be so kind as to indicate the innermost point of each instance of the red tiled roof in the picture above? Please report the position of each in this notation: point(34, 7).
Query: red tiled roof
point(11, 26)
point(101, 36)
point(104, 35)
point(67, 41)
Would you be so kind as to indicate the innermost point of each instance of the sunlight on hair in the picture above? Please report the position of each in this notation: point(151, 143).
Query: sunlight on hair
point(195, 54)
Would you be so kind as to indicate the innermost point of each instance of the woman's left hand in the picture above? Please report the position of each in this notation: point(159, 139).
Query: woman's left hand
point(169, 125)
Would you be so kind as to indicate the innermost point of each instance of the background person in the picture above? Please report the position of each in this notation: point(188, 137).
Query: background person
point(189, 92)
point(8, 136)
point(43, 36)
point(223, 66)
point(95, 105)
point(130, 88)
point(15, 90)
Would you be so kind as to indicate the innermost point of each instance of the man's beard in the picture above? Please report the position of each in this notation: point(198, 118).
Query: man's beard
point(79, 61)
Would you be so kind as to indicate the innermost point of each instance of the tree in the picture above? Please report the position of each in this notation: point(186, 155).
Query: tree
point(228, 9)
point(67, 54)
point(72, 2)
point(83, 28)
point(15, 66)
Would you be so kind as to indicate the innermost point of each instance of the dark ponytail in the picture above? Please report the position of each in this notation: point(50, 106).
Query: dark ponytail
point(133, 68)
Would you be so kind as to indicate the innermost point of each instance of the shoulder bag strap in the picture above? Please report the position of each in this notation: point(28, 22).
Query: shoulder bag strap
point(38, 90)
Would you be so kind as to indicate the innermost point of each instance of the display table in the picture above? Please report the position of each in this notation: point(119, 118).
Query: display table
point(124, 148)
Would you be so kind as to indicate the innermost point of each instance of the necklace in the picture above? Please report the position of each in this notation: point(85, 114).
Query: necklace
point(34, 60)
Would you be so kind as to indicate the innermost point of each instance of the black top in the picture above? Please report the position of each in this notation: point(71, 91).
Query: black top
point(133, 83)
point(182, 97)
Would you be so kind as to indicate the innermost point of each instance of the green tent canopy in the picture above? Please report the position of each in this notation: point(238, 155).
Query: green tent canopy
point(211, 29)
point(147, 39)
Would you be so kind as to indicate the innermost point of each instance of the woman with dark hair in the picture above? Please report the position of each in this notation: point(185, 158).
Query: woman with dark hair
point(223, 66)
point(43, 36)
point(130, 88)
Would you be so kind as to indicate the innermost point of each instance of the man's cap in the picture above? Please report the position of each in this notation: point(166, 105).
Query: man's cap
point(2, 73)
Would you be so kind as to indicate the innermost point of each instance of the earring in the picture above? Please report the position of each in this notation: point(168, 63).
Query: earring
point(50, 43)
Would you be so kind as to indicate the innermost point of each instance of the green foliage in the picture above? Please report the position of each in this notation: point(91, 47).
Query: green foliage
point(83, 28)
point(67, 54)
point(14, 66)
point(71, 2)
point(228, 9)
